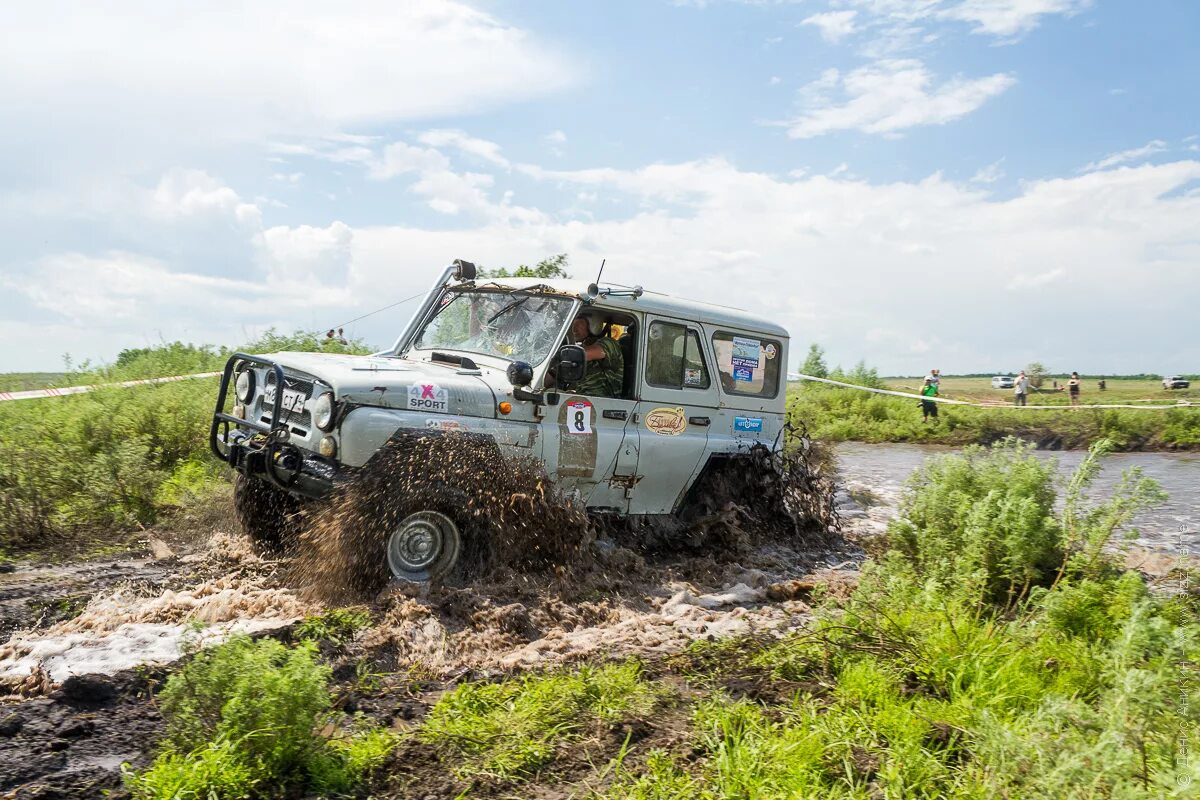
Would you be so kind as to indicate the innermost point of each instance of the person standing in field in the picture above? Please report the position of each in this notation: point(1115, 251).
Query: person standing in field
point(1073, 388)
point(929, 407)
point(1020, 389)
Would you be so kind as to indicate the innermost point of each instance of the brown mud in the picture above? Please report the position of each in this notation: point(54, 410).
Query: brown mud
point(550, 589)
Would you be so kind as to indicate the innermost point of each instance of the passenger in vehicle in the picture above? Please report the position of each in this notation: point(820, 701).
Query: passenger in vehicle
point(605, 371)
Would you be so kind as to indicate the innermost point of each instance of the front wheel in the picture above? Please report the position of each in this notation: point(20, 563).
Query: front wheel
point(268, 515)
point(425, 545)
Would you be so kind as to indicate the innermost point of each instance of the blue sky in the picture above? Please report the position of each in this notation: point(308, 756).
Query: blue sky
point(970, 184)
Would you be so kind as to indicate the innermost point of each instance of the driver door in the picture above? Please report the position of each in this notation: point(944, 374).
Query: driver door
point(593, 450)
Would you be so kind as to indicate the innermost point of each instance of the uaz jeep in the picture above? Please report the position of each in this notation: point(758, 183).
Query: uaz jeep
point(700, 385)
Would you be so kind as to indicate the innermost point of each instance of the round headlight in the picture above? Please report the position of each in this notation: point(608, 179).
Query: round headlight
point(323, 411)
point(245, 385)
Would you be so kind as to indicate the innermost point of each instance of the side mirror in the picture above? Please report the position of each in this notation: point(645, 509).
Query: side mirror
point(572, 361)
point(520, 374)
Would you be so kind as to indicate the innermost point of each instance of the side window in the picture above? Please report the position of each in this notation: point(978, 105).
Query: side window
point(748, 365)
point(674, 358)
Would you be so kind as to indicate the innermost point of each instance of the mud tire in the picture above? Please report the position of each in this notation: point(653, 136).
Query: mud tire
point(269, 516)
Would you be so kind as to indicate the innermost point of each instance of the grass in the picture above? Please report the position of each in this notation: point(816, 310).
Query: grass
point(838, 414)
point(508, 730)
point(336, 626)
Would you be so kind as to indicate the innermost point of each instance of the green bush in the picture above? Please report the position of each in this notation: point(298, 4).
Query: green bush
point(914, 687)
point(242, 721)
point(837, 414)
point(116, 458)
point(986, 516)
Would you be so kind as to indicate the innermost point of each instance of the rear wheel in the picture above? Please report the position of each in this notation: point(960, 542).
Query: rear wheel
point(268, 515)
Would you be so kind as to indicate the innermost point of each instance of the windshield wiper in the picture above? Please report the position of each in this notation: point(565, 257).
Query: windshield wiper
point(507, 308)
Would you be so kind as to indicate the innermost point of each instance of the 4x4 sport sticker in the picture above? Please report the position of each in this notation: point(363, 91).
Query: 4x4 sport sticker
point(428, 397)
point(666, 421)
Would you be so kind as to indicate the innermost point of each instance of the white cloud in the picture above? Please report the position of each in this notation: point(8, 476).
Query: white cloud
point(1125, 156)
point(834, 25)
point(481, 149)
point(192, 192)
point(889, 96)
point(831, 257)
point(234, 68)
point(1010, 18)
point(1036, 281)
point(989, 174)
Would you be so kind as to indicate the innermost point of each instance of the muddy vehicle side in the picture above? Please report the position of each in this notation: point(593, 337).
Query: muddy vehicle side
point(494, 360)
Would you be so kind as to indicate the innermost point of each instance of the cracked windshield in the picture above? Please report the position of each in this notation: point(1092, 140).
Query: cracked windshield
point(521, 327)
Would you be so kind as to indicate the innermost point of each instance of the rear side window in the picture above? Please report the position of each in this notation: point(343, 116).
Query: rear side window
point(674, 358)
point(748, 364)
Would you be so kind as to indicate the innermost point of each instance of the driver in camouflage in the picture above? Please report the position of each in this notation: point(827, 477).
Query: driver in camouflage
point(605, 364)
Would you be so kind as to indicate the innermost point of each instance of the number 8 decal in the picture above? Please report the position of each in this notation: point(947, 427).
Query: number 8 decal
point(580, 417)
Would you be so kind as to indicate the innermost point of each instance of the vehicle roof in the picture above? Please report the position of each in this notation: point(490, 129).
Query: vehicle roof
point(653, 302)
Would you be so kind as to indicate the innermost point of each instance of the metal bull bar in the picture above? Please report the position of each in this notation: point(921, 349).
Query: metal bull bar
point(219, 433)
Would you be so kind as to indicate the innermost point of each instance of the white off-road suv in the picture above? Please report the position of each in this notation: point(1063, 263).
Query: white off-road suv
point(701, 386)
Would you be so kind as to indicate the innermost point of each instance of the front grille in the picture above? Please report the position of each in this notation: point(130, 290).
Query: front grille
point(301, 422)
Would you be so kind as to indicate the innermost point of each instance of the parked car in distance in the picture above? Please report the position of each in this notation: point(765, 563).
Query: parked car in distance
point(1175, 382)
point(1003, 382)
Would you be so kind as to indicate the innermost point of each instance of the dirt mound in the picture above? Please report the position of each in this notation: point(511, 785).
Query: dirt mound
point(508, 511)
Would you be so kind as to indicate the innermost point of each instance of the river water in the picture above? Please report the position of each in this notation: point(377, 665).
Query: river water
point(874, 474)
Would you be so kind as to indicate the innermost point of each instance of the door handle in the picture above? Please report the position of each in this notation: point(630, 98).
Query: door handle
point(614, 413)
point(701, 421)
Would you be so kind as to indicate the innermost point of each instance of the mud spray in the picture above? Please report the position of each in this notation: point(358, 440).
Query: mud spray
point(224, 589)
point(543, 582)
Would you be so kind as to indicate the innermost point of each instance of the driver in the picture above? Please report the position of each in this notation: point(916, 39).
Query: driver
point(605, 371)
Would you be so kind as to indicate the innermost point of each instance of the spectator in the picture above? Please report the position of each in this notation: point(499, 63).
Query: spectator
point(1073, 388)
point(1102, 384)
point(341, 337)
point(1020, 389)
point(929, 407)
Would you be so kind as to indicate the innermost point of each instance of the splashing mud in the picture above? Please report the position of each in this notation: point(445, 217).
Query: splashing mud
point(509, 512)
point(232, 590)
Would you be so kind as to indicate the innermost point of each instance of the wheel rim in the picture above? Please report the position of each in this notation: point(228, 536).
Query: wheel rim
point(423, 546)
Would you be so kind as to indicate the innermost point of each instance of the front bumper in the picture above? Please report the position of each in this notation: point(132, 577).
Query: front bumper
point(263, 451)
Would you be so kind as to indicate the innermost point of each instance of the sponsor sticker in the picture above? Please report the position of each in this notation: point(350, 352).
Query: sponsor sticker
point(748, 424)
point(428, 397)
point(770, 351)
point(579, 417)
point(743, 374)
point(666, 421)
point(745, 352)
point(693, 377)
point(443, 424)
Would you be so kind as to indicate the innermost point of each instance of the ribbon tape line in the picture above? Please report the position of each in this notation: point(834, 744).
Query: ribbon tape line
point(34, 394)
point(948, 401)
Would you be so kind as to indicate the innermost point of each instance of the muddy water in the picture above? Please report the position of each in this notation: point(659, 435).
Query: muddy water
point(872, 476)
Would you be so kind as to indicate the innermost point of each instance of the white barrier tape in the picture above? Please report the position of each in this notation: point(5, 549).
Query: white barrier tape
point(33, 394)
point(948, 401)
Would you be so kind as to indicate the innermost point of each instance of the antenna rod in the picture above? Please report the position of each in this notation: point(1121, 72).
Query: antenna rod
point(601, 272)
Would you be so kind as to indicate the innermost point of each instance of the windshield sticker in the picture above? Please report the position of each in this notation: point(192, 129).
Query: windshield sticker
point(743, 374)
point(428, 397)
point(770, 351)
point(745, 352)
point(748, 424)
point(693, 377)
point(579, 417)
point(666, 421)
